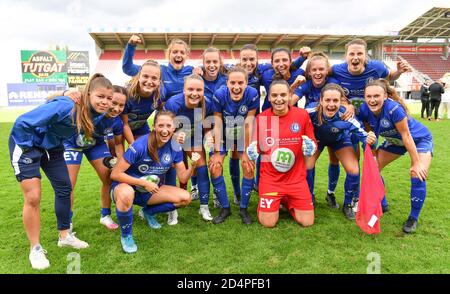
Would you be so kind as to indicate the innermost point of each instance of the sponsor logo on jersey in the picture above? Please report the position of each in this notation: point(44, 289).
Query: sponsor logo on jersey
point(346, 91)
point(270, 141)
point(143, 168)
point(334, 130)
point(283, 159)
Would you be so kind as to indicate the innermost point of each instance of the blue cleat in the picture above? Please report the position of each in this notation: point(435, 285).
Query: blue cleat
point(151, 220)
point(128, 244)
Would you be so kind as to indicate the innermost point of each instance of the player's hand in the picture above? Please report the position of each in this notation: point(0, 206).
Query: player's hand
point(300, 80)
point(181, 137)
point(418, 170)
point(110, 162)
point(308, 146)
point(371, 138)
point(349, 112)
point(151, 187)
point(305, 51)
point(198, 71)
point(74, 95)
point(135, 40)
point(215, 160)
point(252, 151)
point(195, 158)
point(403, 66)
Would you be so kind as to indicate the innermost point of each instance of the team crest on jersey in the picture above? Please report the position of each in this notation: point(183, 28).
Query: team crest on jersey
point(166, 158)
point(334, 130)
point(283, 159)
point(107, 131)
point(385, 123)
point(143, 168)
point(295, 127)
point(369, 80)
point(243, 109)
point(27, 160)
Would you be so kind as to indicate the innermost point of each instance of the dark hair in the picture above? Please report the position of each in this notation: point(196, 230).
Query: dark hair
point(390, 92)
point(152, 144)
point(292, 67)
point(238, 68)
point(328, 87)
point(120, 90)
point(279, 82)
point(358, 41)
point(252, 47)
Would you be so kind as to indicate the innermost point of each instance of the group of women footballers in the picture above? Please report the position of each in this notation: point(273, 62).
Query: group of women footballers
point(202, 113)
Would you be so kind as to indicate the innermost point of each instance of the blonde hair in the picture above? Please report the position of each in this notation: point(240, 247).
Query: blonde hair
point(178, 42)
point(134, 86)
point(317, 56)
point(390, 92)
point(81, 114)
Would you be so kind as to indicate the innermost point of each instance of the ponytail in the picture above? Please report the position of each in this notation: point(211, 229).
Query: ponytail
point(82, 111)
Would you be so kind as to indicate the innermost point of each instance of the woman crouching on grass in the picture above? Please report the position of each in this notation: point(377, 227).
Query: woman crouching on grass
point(138, 178)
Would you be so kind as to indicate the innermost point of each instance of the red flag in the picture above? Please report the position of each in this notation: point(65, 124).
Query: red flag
point(372, 192)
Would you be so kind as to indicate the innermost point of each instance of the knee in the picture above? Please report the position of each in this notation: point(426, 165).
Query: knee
point(124, 197)
point(353, 170)
point(307, 222)
point(267, 223)
point(33, 198)
point(185, 199)
point(215, 171)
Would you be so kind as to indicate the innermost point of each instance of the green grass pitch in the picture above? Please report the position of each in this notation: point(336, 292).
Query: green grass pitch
point(332, 245)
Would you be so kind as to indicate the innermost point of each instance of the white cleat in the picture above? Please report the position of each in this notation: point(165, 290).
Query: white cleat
point(72, 241)
point(204, 211)
point(38, 259)
point(108, 222)
point(172, 217)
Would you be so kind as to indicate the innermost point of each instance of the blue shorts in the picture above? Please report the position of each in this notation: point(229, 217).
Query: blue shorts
point(345, 142)
point(74, 155)
point(423, 145)
point(140, 199)
point(27, 163)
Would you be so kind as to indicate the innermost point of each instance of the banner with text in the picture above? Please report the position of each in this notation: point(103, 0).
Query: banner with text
point(77, 68)
point(44, 66)
point(32, 93)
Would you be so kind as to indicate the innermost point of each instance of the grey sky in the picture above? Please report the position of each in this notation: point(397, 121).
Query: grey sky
point(29, 24)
